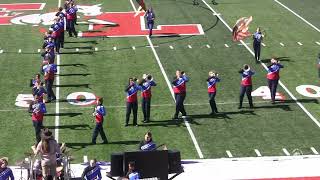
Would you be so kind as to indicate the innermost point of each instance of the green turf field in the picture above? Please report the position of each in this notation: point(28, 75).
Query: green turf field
point(105, 72)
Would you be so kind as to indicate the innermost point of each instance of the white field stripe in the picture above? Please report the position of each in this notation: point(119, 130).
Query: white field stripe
point(77, 49)
point(39, 50)
point(314, 27)
point(85, 159)
point(1, 51)
point(281, 44)
point(114, 48)
point(90, 27)
point(300, 43)
point(96, 49)
point(226, 45)
point(19, 51)
point(208, 46)
point(194, 140)
point(285, 151)
point(314, 150)
point(257, 152)
point(229, 154)
point(171, 47)
point(263, 44)
point(57, 117)
point(133, 47)
point(189, 46)
point(281, 84)
point(317, 42)
point(133, 6)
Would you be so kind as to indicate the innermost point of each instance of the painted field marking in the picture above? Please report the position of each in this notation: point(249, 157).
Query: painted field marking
point(77, 49)
point(226, 45)
point(85, 159)
point(134, 48)
point(57, 116)
point(1, 51)
point(265, 67)
point(96, 49)
point(189, 46)
point(153, 46)
point(314, 150)
point(263, 44)
point(194, 140)
point(285, 151)
point(171, 47)
point(39, 50)
point(19, 51)
point(314, 27)
point(114, 48)
point(90, 27)
point(300, 43)
point(208, 46)
point(282, 44)
point(257, 152)
point(317, 42)
point(229, 154)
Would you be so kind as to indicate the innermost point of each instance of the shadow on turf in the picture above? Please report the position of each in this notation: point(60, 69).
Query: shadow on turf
point(72, 85)
point(75, 74)
point(284, 107)
point(302, 101)
point(75, 64)
point(163, 123)
point(221, 115)
point(84, 145)
point(63, 114)
point(73, 127)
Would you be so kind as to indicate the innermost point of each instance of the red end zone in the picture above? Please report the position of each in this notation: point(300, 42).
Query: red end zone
point(128, 25)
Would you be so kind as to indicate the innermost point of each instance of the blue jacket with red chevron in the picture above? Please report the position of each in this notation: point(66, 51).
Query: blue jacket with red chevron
point(132, 90)
point(246, 77)
point(179, 84)
point(145, 88)
point(211, 81)
point(274, 71)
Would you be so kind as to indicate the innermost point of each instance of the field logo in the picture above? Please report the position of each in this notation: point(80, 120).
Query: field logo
point(309, 90)
point(264, 92)
point(111, 24)
point(82, 98)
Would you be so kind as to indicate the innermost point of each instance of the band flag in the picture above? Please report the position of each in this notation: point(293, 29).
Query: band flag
point(240, 30)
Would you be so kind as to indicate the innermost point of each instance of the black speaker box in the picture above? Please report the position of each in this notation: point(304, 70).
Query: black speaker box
point(117, 164)
point(174, 159)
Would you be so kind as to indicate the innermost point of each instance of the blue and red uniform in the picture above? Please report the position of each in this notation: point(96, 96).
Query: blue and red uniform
point(71, 20)
point(146, 94)
point(246, 86)
point(99, 113)
point(273, 77)
point(38, 111)
point(132, 102)
point(179, 89)
point(211, 82)
point(49, 72)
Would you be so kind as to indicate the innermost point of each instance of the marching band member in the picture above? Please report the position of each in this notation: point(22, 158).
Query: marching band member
point(98, 113)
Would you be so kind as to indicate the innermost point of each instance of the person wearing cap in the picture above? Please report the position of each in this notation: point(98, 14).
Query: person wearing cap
point(147, 144)
point(179, 89)
point(145, 86)
point(98, 113)
point(92, 172)
point(257, 40)
point(48, 149)
point(5, 171)
point(246, 84)
point(211, 82)
point(273, 77)
point(132, 101)
point(38, 110)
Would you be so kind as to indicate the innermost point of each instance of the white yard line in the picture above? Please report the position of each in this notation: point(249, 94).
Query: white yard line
point(257, 152)
point(314, 150)
point(171, 47)
point(285, 151)
point(282, 44)
point(226, 45)
point(229, 154)
point(194, 140)
point(263, 44)
point(300, 43)
point(189, 46)
point(317, 42)
point(133, 47)
point(96, 49)
point(208, 46)
point(281, 84)
point(314, 27)
point(114, 48)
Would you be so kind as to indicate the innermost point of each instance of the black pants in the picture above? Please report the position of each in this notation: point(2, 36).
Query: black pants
point(71, 28)
point(37, 128)
point(257, 50)
point(273, 84)
point(50, 92)
point(134, 107)
point(246, 90)
point(213, 102)
point(57, 43)
point(146, 102)
point(150, 27)
point(99, 129)
point(179, 104)
point(61, 39)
